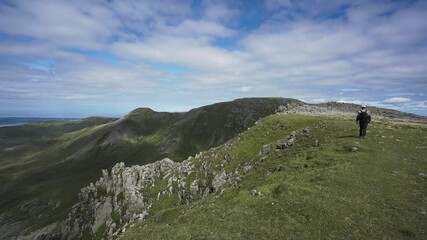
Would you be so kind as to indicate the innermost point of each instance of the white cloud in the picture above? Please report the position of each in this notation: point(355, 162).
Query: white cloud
point(245, 89)
point(359, 102)
point(147, 17)
point(218, 10)
point(352, 90)
point(318, 100)
point(61, 23)
point(396, 100)
point(196, 29)
point(196, 54)
point(374, 51)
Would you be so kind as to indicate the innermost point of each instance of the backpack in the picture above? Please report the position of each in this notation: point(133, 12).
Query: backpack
point(364, 116)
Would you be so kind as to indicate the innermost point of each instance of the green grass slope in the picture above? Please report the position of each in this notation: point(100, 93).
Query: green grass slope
point(30, 189)
point(43, 166)
point(36, 130)
point(308, 192)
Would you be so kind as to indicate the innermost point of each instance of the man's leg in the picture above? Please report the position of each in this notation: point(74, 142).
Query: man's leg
point(365, 127)
point(360, 129)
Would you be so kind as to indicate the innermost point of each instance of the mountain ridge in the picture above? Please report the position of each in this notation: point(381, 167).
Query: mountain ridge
point(35, 167)
point(158, 196)
point(143, 133)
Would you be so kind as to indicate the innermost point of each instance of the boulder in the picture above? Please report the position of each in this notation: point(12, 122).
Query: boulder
point(247, 168)
point(287, 142)
point(266, 149)
point(219, 180)
point(306, 131)
point(255, 193)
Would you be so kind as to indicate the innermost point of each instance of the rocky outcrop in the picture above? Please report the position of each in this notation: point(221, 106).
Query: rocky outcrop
point(118, 199)
point(347, 110)
point(287, 142)
point(126, 195)
point(291, 139)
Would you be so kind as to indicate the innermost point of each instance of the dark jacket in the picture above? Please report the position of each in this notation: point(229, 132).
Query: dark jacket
point(363, 116)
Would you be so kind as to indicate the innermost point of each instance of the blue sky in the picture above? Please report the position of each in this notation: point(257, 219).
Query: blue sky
point(82, 58)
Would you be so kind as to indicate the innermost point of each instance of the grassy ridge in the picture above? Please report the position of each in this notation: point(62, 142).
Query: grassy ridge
point(309, 192)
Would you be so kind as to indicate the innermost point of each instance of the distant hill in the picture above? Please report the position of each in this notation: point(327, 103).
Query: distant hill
point(48, 127)
point(14, 121)
point(44, 165)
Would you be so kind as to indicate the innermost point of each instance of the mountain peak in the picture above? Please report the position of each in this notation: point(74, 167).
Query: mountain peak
point(141, 110)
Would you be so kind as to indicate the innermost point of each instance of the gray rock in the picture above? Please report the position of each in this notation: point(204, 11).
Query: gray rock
point(194, 187)
point(247, 168)
point(255, 193)
point(219, 180)
point(316, 143)
point(102, 214)
point(287, 142)
point(167, 161)
point(117, 168)
point(104, 173)
point(306, 131)
point(282, 109)
point(354, 149)
point(266, 149)
point(423, 175)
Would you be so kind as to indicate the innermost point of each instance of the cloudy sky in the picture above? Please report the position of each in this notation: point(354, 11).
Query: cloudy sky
point(104, 57)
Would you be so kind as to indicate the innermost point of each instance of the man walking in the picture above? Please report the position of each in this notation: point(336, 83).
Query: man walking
point(363, 118)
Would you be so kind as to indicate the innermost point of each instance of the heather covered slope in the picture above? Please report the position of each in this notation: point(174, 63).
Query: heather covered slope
point(317, 188)
point(44, 165)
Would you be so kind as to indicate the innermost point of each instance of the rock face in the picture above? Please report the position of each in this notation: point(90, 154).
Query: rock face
point(118, 199)
point(124, 196)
